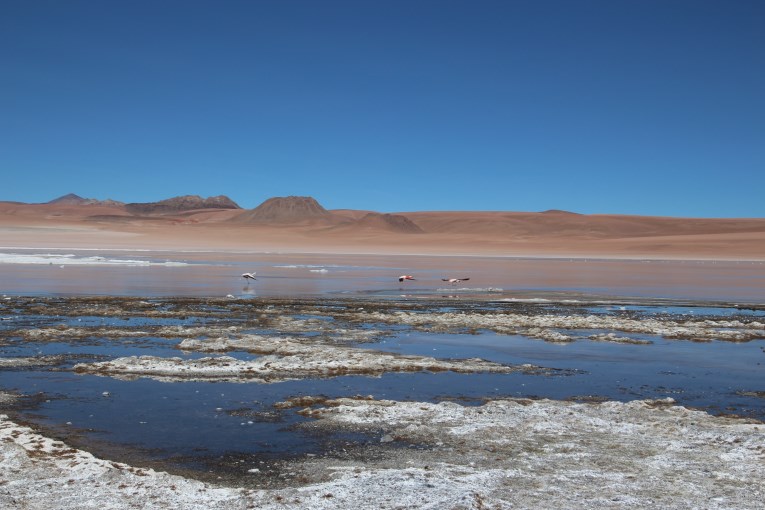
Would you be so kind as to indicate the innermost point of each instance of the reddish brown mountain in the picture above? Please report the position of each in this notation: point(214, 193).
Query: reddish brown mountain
point(182, 203)
point(287, 210)
point(387, 222)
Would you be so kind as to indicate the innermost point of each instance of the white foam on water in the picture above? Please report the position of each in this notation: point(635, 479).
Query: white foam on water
point(470, 289)
point(540, 300)
point(307, 266)
point(526, 300)
point(70, 259)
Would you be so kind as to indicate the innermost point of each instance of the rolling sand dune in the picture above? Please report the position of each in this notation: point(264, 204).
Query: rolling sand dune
point(301, 224)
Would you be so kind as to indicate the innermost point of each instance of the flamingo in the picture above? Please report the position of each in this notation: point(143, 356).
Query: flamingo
point(454, 281)
point(249, 276)
point(405, 277)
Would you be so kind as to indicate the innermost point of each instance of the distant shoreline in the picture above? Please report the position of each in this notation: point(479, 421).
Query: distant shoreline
point(595, 258)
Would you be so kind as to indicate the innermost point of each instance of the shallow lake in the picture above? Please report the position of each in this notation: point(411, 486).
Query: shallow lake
point(220, 428)
point(92, 272)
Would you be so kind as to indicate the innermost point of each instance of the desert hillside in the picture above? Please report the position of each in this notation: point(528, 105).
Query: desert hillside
point(303, 224)
point(287, 210)
point(179, 204)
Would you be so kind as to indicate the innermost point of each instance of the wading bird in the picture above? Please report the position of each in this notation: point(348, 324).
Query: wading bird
point(405, 277)
point(454, 281)
point(249, 276)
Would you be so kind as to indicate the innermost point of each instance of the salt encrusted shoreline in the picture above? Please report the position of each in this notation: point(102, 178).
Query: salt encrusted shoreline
point(285, 359)
point(504, 454)
point(280, 315)
point(548, 326)
point(30, 361)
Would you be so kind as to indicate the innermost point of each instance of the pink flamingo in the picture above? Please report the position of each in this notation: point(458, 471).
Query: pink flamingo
point(454, 281)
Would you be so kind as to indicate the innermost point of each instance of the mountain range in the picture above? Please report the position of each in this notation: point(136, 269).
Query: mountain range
point(302, 223)
point(284, 211)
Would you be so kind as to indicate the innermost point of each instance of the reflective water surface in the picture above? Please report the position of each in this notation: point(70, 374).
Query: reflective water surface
point(219, 274)
point(214, 429)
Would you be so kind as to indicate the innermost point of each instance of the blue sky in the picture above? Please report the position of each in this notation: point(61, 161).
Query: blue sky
point(614, 106)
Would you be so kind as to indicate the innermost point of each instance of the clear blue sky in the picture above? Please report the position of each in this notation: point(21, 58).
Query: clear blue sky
point(639, 107)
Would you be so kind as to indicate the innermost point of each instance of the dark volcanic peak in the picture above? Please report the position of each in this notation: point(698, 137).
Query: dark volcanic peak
point(560, 211)
point(285, 210)
point(72, 199)
point(109, 201)
point(391, 222)
point(183, 203)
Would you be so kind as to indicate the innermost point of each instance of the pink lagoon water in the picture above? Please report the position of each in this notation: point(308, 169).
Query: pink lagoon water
point(77, 273)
